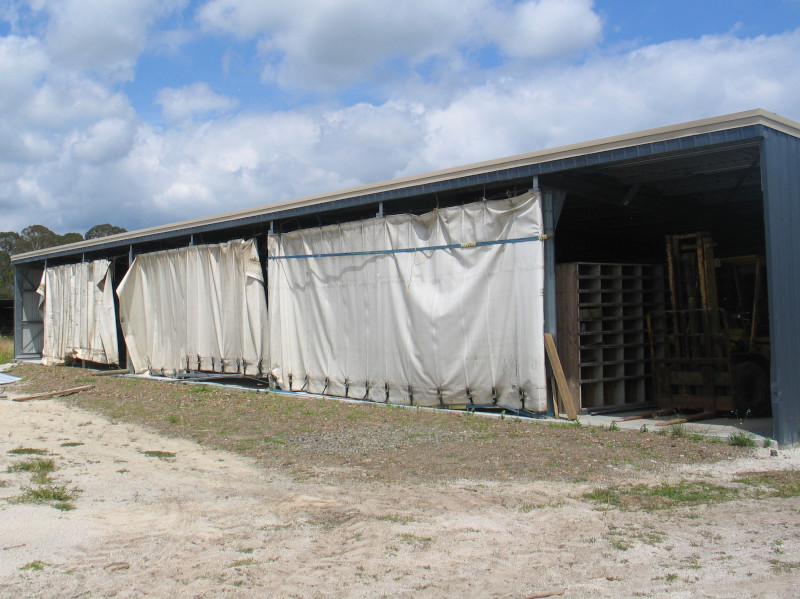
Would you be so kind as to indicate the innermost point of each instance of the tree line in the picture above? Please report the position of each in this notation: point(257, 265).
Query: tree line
point(39, 237)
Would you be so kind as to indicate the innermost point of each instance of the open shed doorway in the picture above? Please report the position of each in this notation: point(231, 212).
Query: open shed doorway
point(613, 272)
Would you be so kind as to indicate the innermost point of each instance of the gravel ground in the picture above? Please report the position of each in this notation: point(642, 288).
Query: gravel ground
point(190, 491)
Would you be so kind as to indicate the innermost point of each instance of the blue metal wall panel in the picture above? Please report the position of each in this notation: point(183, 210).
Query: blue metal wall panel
point(780, 172)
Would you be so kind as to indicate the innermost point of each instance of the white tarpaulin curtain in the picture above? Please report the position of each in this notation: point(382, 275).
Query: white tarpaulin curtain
point(80, 321)
point(364, 310)
point(196, 308)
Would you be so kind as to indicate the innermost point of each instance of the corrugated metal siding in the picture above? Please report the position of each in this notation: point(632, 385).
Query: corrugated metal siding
point(28, 326)
point(781, 182)
point(30, 307)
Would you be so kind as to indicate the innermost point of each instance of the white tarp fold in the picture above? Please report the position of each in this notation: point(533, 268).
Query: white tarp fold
point(364, 310)
point(78, 314)
point(196, 308)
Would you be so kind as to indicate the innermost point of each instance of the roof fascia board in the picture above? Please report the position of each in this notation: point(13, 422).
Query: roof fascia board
point(520, 165)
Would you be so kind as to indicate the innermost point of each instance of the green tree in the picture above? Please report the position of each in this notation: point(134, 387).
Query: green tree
point(69, 238)
point(38, 237)
point(6, 275)
point(8, 241)
point(35, 237)
point(104, 231)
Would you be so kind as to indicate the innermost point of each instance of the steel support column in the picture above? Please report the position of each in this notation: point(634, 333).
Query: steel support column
point(780, 179)
point(552, 203)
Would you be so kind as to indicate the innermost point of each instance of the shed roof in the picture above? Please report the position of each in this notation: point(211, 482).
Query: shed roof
point(692, 138)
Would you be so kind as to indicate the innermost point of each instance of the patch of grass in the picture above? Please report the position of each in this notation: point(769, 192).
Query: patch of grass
point(396, 518)
point(35, 566)
point(40, 465)
point(28, 451)
point(154, 453)
point(782, 566)
point(620, 544)
point(248, 561)
point(678, 431)
point(48, 493)
point(606, 495)
point(40, 468)
point(663, 496)
point(60, 497)
point(72, 444)
point(173, 419)
point(779, 483)
point(200, 389)
point(624, 538)
point(767, 443)
point(529, 507)
point(6, 349)
point(244, 549)
point(275, 440)
point(413, 539)
point(741, 439)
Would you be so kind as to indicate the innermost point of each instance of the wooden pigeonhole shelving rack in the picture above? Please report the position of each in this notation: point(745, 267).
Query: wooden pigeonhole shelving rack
point(603, 339)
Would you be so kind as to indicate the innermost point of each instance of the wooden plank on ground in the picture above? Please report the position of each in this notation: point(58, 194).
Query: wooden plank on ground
point(642, 416)
point(54, 393)
point(687, 418)
point(568, 320)
point(563, 388)
point(546, 594)
point(110, 372)
point(558, 405)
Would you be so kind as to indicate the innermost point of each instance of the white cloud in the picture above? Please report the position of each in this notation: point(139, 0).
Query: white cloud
point(313, 43)
point(106, 140)
point(546, 28)
point(196, 99)
point(23, 61)
point(608, 95)
point(369, 143)
point(103, 36)
point(64, 99)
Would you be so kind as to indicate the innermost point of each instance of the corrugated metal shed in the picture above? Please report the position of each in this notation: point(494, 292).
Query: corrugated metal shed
point(737, 175)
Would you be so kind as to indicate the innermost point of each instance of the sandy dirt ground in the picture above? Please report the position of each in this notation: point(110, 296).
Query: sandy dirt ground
point(213, 524)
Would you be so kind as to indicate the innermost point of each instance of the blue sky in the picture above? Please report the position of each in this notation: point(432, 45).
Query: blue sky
point(141, 112)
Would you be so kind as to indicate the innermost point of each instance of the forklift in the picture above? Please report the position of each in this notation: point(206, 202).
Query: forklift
point(710, 350)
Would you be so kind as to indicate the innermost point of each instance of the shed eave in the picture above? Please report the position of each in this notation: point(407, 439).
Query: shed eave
point(520, 161)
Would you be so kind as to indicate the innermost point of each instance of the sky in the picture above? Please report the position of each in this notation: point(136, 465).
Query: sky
point(144, 112)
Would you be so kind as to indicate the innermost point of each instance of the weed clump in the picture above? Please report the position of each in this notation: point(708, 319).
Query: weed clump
point(741, 439)
point(28, 451)
point(163, 455)
point(60, 497)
